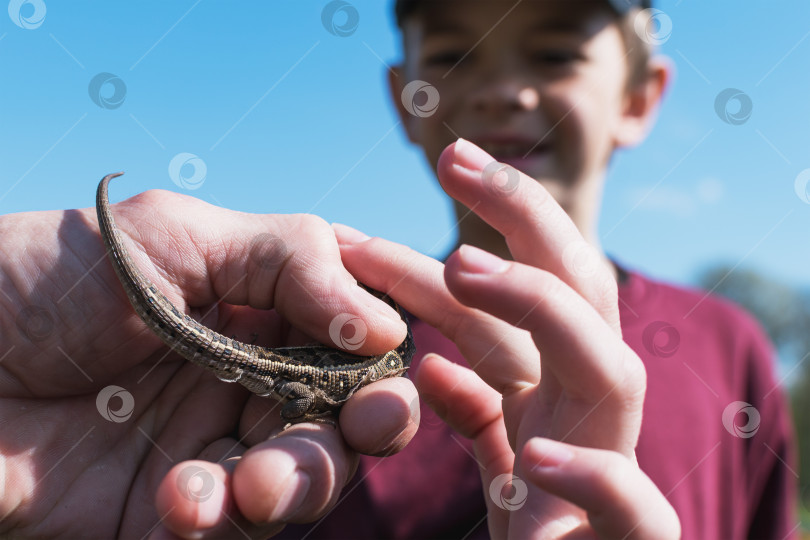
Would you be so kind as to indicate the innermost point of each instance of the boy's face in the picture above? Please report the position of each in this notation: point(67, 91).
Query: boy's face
point(542, 88)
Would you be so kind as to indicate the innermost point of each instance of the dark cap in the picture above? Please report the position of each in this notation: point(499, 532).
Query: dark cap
point(403, 8)
point(623, 6)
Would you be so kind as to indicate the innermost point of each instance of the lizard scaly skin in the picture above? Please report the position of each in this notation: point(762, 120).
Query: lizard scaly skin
point(312, 382)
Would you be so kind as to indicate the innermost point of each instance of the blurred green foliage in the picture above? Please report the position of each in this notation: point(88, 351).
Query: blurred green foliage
point(784, 313)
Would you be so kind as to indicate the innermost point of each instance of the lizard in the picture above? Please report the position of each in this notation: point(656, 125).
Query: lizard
point(311, 382)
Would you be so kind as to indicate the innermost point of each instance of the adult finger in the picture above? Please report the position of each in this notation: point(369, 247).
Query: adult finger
point(537, 230)
point(296, 477)
point(293, 477)
point(381, 419)
point(287, 262)
point(194, 500)
point(621, 501)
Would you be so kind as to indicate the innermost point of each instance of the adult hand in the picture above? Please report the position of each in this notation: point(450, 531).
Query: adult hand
point(567, 437)
point(107, 433)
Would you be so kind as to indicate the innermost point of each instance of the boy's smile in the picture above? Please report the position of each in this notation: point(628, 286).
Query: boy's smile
point(541, 85)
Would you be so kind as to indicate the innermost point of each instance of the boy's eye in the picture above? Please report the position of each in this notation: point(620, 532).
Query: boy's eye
point(440, 58)
point(555, 57)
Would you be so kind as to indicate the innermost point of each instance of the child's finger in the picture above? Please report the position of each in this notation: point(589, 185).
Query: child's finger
point(537, 230)
point(504, 356)
point(473, 409)
point(457, 395)
point(603, 380)
point(621, 501)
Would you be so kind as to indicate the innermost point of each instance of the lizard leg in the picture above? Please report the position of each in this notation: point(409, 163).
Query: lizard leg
point(301, 400)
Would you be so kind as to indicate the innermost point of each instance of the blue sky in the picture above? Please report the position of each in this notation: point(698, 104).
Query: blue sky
point(288, 117)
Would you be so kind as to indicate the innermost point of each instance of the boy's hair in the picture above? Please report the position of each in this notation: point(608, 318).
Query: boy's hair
point(639, 50)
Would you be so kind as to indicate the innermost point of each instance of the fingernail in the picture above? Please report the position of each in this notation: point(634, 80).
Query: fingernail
point(347, 235)
point(295, 490)
point(547, 454)
point(471, 156)
point(478, 261)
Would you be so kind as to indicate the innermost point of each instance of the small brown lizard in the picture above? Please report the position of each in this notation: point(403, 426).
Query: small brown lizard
point(312, 382)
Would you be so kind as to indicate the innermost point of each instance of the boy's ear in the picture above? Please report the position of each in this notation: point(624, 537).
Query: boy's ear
point(642, 101)
point(396, 83)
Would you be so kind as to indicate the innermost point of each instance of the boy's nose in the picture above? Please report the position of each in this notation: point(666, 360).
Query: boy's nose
point(501, 96)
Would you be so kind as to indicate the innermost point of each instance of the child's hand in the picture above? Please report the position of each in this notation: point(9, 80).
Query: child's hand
point(557, 311)
point(81, 458)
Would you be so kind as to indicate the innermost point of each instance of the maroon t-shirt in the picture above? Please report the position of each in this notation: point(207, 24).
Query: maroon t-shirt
point(727, 468)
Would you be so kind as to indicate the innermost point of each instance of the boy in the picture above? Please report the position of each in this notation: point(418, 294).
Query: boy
point(553, 88)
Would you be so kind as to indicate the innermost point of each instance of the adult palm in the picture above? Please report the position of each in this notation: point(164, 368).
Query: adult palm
point(96, 411)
